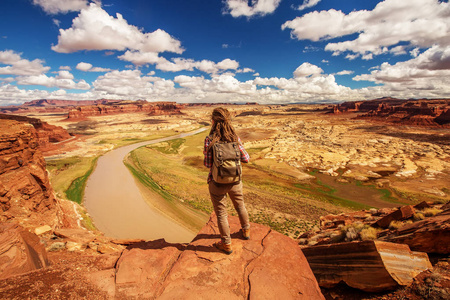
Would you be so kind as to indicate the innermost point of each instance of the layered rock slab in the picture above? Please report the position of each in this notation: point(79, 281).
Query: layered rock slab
point(20, 251)
point(268, 266)
point(371, 266)
point(431, 235)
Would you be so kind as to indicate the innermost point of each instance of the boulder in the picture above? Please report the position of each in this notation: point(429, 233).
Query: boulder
point(371, 266)
point(20, 251)
point(431, 235)
point(404, 212)
point(77, 235)
point(268, 266)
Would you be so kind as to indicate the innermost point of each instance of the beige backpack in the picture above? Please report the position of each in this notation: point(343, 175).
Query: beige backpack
point(226, 166)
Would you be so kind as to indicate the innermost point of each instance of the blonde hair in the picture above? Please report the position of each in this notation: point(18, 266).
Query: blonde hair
point(221, 129)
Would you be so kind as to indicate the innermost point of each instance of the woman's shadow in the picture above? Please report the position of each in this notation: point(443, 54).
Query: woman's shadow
point(192, 246)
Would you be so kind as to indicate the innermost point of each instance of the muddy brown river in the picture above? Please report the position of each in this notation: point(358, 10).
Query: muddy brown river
point(117, 207)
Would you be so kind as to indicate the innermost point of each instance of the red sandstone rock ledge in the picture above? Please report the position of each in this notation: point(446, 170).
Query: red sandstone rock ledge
point(46, 134)
point(268, 266)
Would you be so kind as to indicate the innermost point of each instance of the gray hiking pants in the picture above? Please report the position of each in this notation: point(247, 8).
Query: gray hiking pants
point(218, 194)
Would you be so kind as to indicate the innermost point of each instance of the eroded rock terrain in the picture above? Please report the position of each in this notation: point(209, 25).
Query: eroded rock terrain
point(408, 159)
point(294, 141)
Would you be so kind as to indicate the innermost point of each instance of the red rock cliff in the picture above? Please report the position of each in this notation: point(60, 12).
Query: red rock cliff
point(26, 195)
point(46, 133)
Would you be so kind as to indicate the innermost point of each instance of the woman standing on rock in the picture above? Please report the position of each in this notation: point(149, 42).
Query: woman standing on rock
point(221, 138)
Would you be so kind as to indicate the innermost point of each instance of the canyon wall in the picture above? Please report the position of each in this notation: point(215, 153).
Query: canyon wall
point(154, 108)
point(421, 112)
point(26, 195)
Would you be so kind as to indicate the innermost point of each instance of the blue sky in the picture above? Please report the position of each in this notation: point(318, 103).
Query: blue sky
point(265, 51)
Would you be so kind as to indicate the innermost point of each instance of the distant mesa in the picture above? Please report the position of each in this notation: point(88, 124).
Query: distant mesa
point(152, 108)
point(420, 112)
point(80, 109)
point(49, 105)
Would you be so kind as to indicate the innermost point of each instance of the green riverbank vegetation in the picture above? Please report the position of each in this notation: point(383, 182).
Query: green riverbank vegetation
point(68, 176)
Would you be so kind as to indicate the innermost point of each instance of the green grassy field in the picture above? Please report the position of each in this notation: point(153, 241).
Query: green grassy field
point(68, 176)
point(128, 141)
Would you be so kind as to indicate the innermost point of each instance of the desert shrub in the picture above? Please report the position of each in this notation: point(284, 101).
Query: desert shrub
point(368, 234)
point(398, 224)
point(352, 231)
point(431, 211)
point(395, 224)
point(418, 216)
point(337, 237)
point(351, 234)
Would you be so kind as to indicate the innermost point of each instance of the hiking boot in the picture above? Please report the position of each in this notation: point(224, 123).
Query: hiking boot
point(246, 234)
point(223, 247)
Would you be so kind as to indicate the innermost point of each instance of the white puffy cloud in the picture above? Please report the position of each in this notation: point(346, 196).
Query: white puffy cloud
point(64, 74)
point(207, 66)
point(228, 64)
point(61, 6)
point(95, 29)
point(13, 95)
point(87, 67)
point(140, 58)
point(421, 23)
point(82, 66)
point(60, 82)
point(307, 4)
point(130, 84)
point(307, 69)
point(306, 88)
point(245, 70)
point(238, 8)
point(7, 79)
point(345, 72)
point(18, 66)
point(427, 74)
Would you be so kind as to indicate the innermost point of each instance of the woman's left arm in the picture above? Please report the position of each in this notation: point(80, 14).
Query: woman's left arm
point(245, 158)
